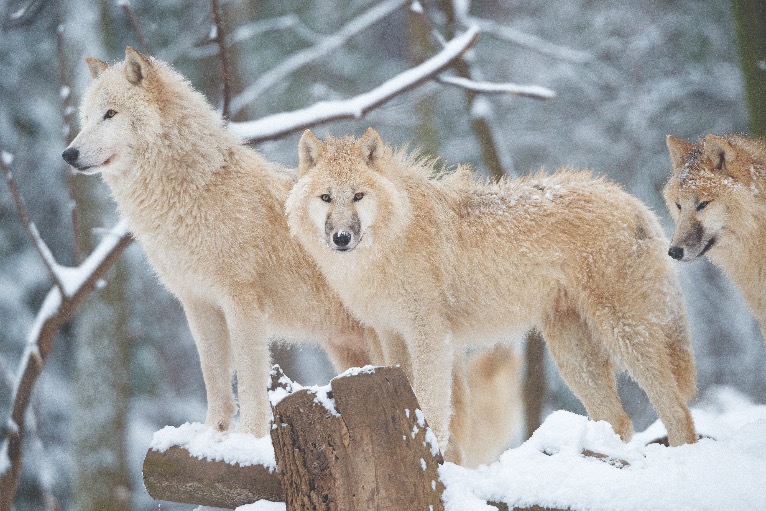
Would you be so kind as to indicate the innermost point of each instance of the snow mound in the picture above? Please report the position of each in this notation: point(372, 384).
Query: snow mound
point(725, 471)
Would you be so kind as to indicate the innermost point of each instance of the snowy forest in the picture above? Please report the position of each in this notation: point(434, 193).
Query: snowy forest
point(586, 83)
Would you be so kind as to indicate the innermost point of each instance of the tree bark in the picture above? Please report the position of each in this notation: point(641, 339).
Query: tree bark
point(373, 450)
point(177, 476)
point(749, 21)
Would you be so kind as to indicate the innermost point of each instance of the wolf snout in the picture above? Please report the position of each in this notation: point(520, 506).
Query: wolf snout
point(676, 253)
point(70, 155)
point(341, 239)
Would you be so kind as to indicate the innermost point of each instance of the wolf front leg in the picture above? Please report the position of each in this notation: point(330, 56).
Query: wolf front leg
point(431, 356)
point(252, 361)
point(208, 327)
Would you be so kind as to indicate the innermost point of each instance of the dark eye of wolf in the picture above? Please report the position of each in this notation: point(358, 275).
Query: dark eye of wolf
point(702, 205)
point(325, 197)
point(110, 113)
point(358, 196)
point(678, 206)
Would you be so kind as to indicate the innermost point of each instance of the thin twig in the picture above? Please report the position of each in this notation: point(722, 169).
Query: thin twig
point(527, 91)
point(125, 4)
point(37, 242)
point(279, 125)
point(220, 40)
point(311, 54)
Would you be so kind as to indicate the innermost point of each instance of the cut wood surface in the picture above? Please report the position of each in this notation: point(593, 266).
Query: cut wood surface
point(362, 444)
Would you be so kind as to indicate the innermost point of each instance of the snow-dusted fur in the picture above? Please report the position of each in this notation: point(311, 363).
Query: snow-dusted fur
point(449, 262)
point(209, 213)
point(717, 196)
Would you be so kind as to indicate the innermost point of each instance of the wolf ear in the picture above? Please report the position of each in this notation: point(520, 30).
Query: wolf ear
point(719, 151)
point(371, 146)
point(679, 149)
point(95, 66)
point(309, 148)
point(137, 67)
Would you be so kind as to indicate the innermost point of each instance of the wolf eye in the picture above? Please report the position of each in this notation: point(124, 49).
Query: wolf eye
point(110, 113)
point(678, 206)
point(358, 196)
point(326, 197)
point(702, 205)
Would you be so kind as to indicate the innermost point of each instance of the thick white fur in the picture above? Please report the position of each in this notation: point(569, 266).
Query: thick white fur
point(453, 262)
point(209, 214)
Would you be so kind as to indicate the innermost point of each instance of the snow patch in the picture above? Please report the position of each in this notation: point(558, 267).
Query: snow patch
point(204, 442)
point(263, 505)
point(7, 158)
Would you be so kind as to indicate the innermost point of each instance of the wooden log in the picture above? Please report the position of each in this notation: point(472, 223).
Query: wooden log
point(175, 475)
point(361, 444)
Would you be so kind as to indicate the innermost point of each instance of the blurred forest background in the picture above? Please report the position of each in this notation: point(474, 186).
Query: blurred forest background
point(625, 75)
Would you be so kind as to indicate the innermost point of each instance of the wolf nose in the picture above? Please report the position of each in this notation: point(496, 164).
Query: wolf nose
point(341, 238)
point(70, 155)
point(676, 253)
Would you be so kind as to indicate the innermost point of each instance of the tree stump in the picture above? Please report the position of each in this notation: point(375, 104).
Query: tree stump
point(360, 443)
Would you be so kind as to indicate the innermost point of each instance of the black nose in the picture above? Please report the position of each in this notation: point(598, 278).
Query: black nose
point(70, 155)
point(676, 253)
point(341, 238)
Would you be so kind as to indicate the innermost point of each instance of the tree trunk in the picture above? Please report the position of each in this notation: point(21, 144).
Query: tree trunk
point(750, 24)
point(534, 381)
point(367, 447)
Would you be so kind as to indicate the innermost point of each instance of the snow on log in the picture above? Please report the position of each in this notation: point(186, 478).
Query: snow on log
point(362, 443)
point(279, 125)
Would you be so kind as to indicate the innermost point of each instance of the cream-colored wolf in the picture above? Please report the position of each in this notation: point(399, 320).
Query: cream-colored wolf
point(449, 262)
point(717, 196)
point(209, 213)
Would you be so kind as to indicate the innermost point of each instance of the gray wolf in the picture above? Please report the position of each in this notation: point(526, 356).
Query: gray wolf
point(715, 195)
point(454, 262)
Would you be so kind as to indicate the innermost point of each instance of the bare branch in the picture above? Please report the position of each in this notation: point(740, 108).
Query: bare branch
point(37, 242)
point(279, 125)
point(56, 310)
point(128, 11)
point(311, 54)
point(531, 42)
point(528, 91)
point(219, 37)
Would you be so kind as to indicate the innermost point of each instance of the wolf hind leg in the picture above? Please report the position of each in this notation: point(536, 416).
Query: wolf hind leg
point(586, 368)
point(642, 347)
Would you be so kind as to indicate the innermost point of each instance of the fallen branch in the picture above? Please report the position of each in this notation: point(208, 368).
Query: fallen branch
point(279, 125)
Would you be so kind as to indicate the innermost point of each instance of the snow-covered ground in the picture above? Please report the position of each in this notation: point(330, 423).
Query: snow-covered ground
point(725, 470)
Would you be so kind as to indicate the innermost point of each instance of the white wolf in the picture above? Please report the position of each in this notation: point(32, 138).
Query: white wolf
point(444, 263)
point(209, 214)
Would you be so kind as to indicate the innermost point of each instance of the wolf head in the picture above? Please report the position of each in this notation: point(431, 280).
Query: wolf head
point(138, 111)
point(707, 182)
point(343, 198)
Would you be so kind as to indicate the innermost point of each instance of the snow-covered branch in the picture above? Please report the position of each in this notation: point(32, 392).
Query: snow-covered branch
point(59, 306)
point(311, 54)
point(529, 91)
point(279, 125)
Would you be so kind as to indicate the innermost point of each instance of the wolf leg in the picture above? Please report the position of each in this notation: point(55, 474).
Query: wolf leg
point(642, 347)
point(252, 360)
point(586, 368)
point(211, 336)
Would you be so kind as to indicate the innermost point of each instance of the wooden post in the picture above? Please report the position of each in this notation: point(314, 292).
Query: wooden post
point(362, 444)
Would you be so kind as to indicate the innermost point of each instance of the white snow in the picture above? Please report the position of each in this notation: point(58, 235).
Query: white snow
point(287, 387)
point(549, 470)
point(287, 122)
point(534, 91)
point(5, 462)
point(7, 158)
point(205, 442)
point(263, 505)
